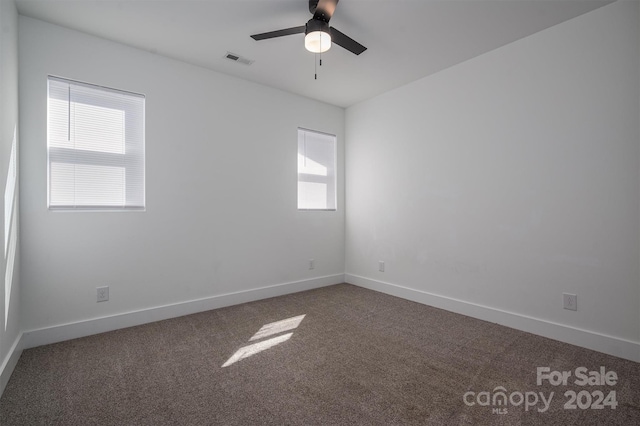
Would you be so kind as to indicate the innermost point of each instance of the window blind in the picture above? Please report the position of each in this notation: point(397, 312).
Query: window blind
point(316, 170)
point(95, 145)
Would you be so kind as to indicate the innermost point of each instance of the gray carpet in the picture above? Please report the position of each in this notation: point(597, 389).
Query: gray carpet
point(357, 357)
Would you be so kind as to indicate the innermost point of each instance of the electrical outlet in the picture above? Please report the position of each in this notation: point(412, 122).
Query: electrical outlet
point(312, 264)
point(381, 266)
point(103, 294)
point(570, 301)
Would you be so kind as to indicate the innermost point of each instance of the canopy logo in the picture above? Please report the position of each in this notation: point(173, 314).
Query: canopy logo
point(499, 400)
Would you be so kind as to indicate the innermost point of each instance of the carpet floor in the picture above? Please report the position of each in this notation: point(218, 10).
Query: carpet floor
point(331, 356)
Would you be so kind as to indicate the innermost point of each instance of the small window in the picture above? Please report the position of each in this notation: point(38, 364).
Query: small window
point(316, 170)
point(95, 147)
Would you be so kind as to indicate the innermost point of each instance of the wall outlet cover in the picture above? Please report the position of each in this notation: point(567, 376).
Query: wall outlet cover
point(570, 301)
point(102, 294)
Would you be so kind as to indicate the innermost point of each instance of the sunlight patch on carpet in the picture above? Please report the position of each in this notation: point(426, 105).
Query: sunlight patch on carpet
point(247, 351)
point(277, 327)
point(266, 331)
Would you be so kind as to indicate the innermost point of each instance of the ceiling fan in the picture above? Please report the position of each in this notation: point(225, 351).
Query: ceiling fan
point(318, 34)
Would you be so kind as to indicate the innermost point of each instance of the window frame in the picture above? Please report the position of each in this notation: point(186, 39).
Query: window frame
point(133, 149)
point(330, 178)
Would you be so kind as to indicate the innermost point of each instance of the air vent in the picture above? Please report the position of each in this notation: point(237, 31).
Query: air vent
point(239, 59)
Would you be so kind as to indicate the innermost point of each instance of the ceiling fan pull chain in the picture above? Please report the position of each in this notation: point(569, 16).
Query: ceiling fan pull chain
point(315, 64)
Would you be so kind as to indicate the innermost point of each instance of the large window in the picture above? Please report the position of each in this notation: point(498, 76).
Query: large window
point(316, 170)
point(95, 147)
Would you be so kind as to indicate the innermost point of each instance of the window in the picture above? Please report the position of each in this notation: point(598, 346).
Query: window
point(316, 170)
point(95, 147)
point(10, 225)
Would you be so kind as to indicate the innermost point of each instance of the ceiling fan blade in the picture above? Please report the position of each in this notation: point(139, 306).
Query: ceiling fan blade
point(279, 33)
point(347, 42)
point(324, 9)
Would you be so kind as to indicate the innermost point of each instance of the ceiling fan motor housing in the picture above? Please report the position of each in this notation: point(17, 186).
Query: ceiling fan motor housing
point(317, 25)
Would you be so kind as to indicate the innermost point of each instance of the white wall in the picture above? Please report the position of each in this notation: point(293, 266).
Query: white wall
point(221, 216)
point(494, 186)
point(9, 261)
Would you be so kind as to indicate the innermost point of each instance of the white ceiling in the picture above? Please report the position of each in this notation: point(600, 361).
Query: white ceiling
point(406, 39)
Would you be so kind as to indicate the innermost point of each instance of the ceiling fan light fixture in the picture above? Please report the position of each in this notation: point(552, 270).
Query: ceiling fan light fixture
point(317, 41)
point(317, 38)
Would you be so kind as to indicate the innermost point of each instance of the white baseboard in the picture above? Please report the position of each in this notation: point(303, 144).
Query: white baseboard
point(587, 339)
point(10, 362)
point(59, 333)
